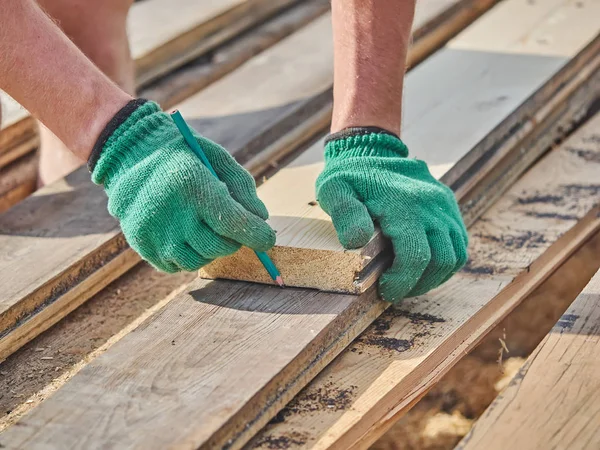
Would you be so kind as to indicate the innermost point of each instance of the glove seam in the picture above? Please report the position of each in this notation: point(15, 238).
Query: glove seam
point(122, 115)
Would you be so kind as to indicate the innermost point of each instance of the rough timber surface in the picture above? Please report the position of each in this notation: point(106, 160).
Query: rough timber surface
point(489, 90)
point(67, 273)
point(167, 34)
point(553, 401)
point(520, 241)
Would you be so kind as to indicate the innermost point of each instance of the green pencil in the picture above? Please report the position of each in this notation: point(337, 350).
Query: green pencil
point(193, 143)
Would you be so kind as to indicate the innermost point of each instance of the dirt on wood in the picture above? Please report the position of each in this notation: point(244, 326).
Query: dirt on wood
point(448, 411)
point(438, 421)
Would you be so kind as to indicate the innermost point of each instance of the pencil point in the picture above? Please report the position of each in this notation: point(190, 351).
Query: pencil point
point(279, 280)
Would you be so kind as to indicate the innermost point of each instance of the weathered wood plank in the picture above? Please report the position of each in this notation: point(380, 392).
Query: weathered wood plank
point(94, 240)
point(525, 236)
point(496, 88)
point(554, 400)
point(21, 139)
point(167, 34)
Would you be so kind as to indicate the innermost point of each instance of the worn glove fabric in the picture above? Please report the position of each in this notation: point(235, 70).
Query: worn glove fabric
point(368, 176)
point(172, 210)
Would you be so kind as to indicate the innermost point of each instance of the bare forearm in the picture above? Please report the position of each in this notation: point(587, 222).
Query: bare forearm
point(45, 72)
point(371, 40)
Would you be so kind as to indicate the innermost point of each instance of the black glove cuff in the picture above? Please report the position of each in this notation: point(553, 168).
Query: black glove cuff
point(357, 131)
point(110, 128)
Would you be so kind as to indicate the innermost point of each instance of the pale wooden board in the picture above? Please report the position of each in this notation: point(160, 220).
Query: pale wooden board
point(522, 238)
point(469, 107)
point(554, 399)
point(131, 386)
point(64, 281)
point(167, 34)
point(186, 81)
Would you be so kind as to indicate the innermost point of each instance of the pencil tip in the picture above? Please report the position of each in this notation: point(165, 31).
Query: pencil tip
point(279, 280)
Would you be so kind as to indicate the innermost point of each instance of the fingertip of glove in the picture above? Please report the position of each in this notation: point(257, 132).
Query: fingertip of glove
point(264, 239)
point(391, 289)
point(356, 235)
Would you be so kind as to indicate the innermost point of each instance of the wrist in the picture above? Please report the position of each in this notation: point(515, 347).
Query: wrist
point(99, 111)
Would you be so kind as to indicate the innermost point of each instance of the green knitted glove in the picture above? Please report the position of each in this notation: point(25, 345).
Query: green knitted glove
point(172, 210)
point(368, 176)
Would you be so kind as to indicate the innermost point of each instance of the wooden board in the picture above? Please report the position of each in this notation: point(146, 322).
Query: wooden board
point(206, 370)
point(553, 400)
point(133, 398)
point(175, 87)
point(86, 239)
point(493, 87)
point(525, 236)
point(167, 34)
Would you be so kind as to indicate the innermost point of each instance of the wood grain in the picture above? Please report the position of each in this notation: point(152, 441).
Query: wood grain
point(553, 401)
point(88, 242)
point(167, 34)
point(520, 241)
point(482, 101)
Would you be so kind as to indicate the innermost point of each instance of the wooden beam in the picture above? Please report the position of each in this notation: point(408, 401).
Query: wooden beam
point(515, 246)
point(218, 379)
point(507, 79)
point(552, 402)
point(81, 246)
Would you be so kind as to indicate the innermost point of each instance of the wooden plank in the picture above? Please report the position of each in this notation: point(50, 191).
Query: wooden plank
point(525, 236)
point(494, 87)
point(164, 34)
point(210, 344)
point(553, 400)
point(17, 181)
point(218, 392)
point(87, 238)
point(184, 82)
point(167, 34)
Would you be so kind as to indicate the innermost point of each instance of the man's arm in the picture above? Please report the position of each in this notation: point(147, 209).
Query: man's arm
point(371, 40)
point(368, 176)
point(47, 74)
point(171, 209)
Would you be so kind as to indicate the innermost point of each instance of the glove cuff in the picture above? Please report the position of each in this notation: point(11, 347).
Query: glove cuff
point(364, 142)
point(122, 138)
point(110, 128)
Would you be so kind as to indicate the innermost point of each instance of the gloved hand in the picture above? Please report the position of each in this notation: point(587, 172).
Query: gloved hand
point(172, 210)
point(368, 176)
